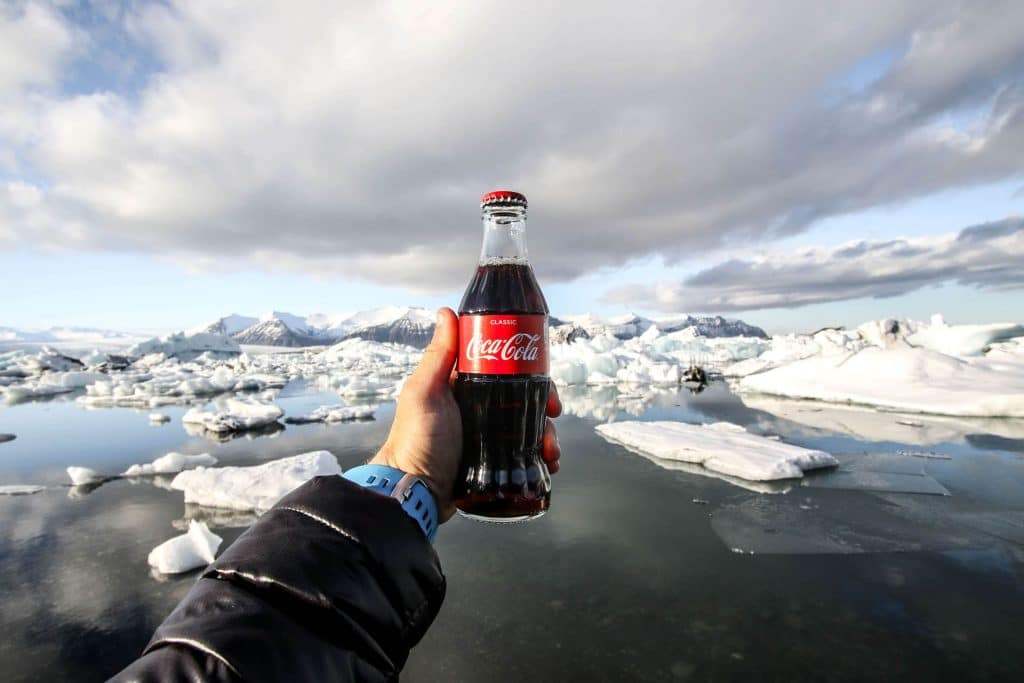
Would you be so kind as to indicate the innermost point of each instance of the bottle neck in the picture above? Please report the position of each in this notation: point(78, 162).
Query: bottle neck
point(504, 235)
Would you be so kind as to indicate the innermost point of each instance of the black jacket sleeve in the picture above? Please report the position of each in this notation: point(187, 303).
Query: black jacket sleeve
point(334, 583)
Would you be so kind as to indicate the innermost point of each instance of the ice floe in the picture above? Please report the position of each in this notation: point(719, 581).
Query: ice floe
point(195, 548)
point(335, 413)
point(234, 415)
point(20, 489)
point(171, 463)
point(721, 447)
point(253, 488)
point(159, 418)
point(80, 476)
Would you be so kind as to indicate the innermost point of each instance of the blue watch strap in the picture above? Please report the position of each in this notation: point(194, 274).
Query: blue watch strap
point(408, 489)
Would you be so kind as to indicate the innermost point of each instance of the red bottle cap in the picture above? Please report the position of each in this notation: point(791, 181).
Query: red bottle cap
point(503, 197)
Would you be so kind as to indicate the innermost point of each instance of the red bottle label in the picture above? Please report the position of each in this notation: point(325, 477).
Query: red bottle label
point(503, 344)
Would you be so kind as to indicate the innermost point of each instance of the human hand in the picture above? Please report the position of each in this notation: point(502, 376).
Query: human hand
point(426, 436)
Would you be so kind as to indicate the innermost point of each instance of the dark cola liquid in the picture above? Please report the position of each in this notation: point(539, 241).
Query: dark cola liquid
point(502, 475)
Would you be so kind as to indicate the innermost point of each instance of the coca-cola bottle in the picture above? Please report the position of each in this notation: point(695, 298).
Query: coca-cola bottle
point(502, 385)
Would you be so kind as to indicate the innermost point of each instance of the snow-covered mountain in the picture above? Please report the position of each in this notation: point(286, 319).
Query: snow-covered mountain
point(402, 325)
point(415, 326)
point(398, 324)
point(632, 325)
point(281, 329)
point(229, 325)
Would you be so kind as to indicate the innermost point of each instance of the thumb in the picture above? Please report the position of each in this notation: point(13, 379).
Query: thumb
point(439, 357)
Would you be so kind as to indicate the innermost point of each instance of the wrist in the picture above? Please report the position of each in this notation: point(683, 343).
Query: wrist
point(408, 489)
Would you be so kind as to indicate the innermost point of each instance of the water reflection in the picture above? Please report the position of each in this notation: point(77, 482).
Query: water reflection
point(270, 430)
point(215, 517)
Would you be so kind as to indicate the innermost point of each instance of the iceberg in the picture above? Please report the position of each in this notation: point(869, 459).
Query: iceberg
point(721, 447)
point(195, 548)
point(905, 379)
point(51, 384)
point(335, 413)
point(171, 463)
point(253, 488)
point(187, 346)
point(963, 340)
point(20, 489)
point(159, 418)
point(83, 475)
point(236, 415)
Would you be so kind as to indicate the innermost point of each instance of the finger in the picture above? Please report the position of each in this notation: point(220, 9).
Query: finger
point(435, 367)
point(551, 450)
point(554, 407)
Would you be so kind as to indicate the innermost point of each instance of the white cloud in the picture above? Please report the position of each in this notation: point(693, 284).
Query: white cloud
point(984, 256)
point(354, 138)
point(33, 41)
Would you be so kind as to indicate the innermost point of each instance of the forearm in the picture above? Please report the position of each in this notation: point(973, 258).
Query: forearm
point(334, 583)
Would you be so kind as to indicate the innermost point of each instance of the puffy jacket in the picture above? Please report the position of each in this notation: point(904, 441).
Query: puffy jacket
point(334, 583)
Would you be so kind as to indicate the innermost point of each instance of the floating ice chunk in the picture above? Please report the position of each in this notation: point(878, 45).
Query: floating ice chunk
point(364, 386)
point(721, 447)
point(49, 359)
point(567, 372)
point(171, 463)
point(20, 489)
point(83, 475)
point(187, 345)
point(253, 488)
point(770, 487)
point(159, 418)
point(963, 340)
point(52, 383)
point(906, 379)
point(195, 548)
point(237, 415)
point(335, 413)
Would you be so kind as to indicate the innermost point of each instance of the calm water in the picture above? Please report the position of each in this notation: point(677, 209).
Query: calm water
point(637, 572)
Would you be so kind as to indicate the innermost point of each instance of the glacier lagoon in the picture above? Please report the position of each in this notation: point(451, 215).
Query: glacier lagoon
point(905, 561)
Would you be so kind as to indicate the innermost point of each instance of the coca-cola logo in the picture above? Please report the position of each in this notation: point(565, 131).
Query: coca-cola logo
point(520, 346)
point(503, 344)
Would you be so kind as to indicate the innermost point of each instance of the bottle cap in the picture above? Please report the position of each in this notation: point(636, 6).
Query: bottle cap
point(503, 197)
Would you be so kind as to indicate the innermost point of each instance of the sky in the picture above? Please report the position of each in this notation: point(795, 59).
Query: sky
point(166, 163)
